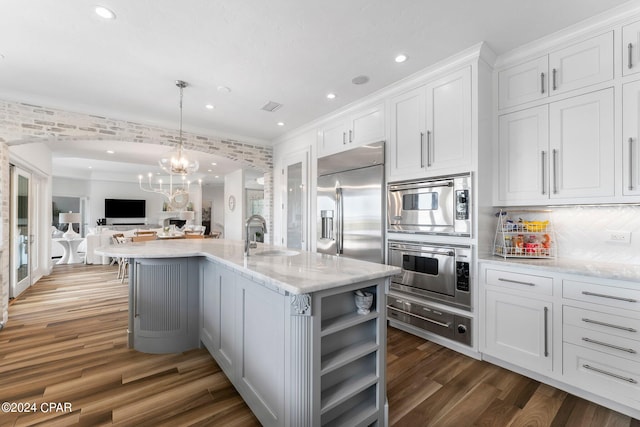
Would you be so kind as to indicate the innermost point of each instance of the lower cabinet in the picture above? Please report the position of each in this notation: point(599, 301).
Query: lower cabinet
point(580, 333)
point(519, 330)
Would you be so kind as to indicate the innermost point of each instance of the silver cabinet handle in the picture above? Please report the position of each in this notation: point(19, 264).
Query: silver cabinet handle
point(340, 218)
point(555, 171)
point(593, 294)
point(428, 148)
point(615, 347)
point(630, 161)
point(421, 149)
point(608, 325)
point(620, 377)
point(630, 48)
point(516, 282)
point(350, 135)
point(543, 156)
point(546, 332)
point(541, 82)
point(344, 138)
point(553, 75)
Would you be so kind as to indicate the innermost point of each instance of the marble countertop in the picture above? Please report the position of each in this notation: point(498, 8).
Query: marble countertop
point(605, 270)
point(302, 273)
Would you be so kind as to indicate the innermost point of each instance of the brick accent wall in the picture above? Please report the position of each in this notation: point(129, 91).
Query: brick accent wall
point(24, 123)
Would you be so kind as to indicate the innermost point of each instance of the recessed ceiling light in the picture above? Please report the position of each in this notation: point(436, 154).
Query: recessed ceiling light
point(209, 106)
point(401, 58)
point(90, 167)
point(331, 96)
point(213, 163)
point(280, 123)
point(105, 13)
point(209, 170)
point(110, 152)
point(224, 89)
point(217, 176)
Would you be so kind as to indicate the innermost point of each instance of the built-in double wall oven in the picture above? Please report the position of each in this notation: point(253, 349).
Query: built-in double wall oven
point(435, 276)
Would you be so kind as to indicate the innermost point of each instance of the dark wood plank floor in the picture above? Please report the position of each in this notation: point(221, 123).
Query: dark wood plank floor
point(65, 342)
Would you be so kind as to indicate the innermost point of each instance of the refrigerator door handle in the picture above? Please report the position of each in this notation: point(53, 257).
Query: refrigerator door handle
point(339, 221)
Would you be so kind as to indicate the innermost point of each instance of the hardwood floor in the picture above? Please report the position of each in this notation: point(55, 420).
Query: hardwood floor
point(65, 342)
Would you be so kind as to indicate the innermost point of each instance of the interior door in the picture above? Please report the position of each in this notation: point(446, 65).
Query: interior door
point(21, 233)
point(295, 201)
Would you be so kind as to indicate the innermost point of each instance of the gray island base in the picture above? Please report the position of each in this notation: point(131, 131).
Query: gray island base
point(282, 325)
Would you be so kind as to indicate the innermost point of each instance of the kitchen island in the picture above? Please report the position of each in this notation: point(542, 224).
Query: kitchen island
point(281, 324)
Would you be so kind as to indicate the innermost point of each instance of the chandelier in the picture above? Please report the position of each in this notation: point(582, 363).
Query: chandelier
point(176, 161)
point(177, 195)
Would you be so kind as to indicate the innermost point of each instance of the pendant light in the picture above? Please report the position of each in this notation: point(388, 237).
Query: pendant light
point(176, 162)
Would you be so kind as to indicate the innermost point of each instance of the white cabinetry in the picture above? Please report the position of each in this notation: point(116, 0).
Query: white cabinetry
point(431, 128)
point(576, 66)
point(519, 319)
point(563, 150)
point(631, 138)
point(601, 348)
point(631, 48)
point(361, 127)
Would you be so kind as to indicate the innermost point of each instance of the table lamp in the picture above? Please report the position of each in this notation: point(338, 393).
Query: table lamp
point(70, 218)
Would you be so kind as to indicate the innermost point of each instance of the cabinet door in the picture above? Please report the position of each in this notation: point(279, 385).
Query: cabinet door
point(332, 137)
point(519, 330)
point(523, 155)
point(582, 64)
point(582, 146)
point(406, 151)
point(261, 348)
point(209, 304)
point(631, 136)
point(367, 126)
point(631, 49)
point(225, 332)
point(523, 83)
point(449, 122)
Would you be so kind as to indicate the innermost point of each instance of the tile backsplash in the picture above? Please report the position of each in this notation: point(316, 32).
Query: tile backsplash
point(582, 232)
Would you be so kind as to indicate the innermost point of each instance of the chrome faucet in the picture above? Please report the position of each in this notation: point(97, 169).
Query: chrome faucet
point(263, 224)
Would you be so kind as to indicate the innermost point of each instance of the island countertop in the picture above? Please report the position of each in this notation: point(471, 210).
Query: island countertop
point(302, 273)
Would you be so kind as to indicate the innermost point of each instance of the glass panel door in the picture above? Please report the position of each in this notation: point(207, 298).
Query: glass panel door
point(295, 201)
point(20, 232)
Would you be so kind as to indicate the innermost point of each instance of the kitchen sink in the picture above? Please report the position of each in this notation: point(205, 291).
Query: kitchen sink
point(276, 252)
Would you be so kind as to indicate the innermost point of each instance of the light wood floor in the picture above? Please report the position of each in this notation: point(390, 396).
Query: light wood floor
point(65, 342)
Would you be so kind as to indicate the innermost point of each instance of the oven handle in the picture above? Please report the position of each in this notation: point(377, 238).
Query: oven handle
point(444, 325)
point(417, 186)
point(442, 252)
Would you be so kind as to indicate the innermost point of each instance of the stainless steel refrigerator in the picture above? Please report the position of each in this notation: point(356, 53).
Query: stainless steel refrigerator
point(350, 203)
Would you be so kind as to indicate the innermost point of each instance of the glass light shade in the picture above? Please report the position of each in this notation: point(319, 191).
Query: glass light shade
point(176, 162)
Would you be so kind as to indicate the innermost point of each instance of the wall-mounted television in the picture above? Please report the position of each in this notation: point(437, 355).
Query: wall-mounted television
point(124, 208)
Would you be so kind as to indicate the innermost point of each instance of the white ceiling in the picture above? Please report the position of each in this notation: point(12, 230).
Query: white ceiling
point(61, 54)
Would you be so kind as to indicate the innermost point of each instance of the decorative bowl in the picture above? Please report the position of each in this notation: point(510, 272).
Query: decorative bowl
point(363, 301)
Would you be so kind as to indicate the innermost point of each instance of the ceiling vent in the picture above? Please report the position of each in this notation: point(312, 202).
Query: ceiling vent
point(271, 106)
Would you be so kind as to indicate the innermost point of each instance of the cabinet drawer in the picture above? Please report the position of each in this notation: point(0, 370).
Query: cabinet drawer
point(610, 324)
point(628, 299)
point(521, 282)
point(603, 342)
point(612, 377)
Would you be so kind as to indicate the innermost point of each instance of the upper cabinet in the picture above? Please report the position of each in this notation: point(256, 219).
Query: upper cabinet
point(561, 150)
point(631, 136)
point(573, 67)
point(431, 128)
point(631, 49)
point(361, 127)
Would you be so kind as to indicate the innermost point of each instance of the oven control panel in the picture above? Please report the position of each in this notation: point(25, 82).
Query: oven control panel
point(462, 276)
